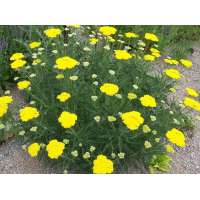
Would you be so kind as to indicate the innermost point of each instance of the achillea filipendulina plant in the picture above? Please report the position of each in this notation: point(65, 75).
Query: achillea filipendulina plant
point(92, 105)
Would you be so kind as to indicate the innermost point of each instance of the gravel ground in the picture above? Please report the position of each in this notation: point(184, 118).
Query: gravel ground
point(187, 160)
point(14, 160)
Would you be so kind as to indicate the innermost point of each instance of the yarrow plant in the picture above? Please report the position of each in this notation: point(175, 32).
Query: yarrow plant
point(92, 105)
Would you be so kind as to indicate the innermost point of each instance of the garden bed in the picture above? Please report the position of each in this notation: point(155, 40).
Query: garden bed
point(84, 112)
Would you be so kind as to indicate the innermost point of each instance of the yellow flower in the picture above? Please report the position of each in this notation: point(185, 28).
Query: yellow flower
point(18, 64)
point(107, 30)
point(131, 35)
point(121, 155)
point(4, 102)
point(173, 90)
point(17, 56)
point(186, 63)
point(23, 85)
point(148, 101)
point(93, 40)
point(131, 96)
point(149, 57)
point(146, 129)
point(109, 88)
point(3, 109)
point(192, 103)
point(6, 99)
point(169, 148)
point(34, 149)
point(154, 50)
point(55, 149)
point(74, 153)
point(111, 39)
point(176, 137)
point(173, 73)
point(147, 144)
point(66, 63)
point(34, 45)
point(73, 78)
point(157, 55)
point(132, 120)
point(171, 61)
point(97, 118)
point(151, 36)
point(28, 113)
point(86, 155)
point(192, 92)
point(63, 96)
point(60, 76)
point(111, 119)
point(122, 55)
point(52, 32)
point(67, 119)
point(36, 61)
point(102, 165)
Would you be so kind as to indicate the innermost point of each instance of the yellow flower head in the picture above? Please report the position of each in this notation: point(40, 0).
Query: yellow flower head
point(64, 96)
point(34, 45)
point(18, 64)
point(111, 39)
point(192, 103)
point(52, 32)
point(157, 55)
point(107, 30)
point(111, 118)
point(131, 35)
point(147, 144)
point(36, 61)
point(93, 40)
point(66, 63)
point(176, 137)
point(23, 85)
point(148, 101)
point(132, 120)
point(173, 90)
point(192, 92)
point(60, 76)
point(102, 165)
point(146, 129)
point(154, 50)
point(6, 99)
point(131, 96)
point(28, 113)
point(109, 88)
point(34, 149)
point(67, 119)
point(122, 55)
point(171, 61)
point(55, 149)
point(149, 57)
point(73, 78)
point(17, 56)
point(151, 36)
point(169, 148)
point(186, 63)
point(173, 73)
point(3, 109)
